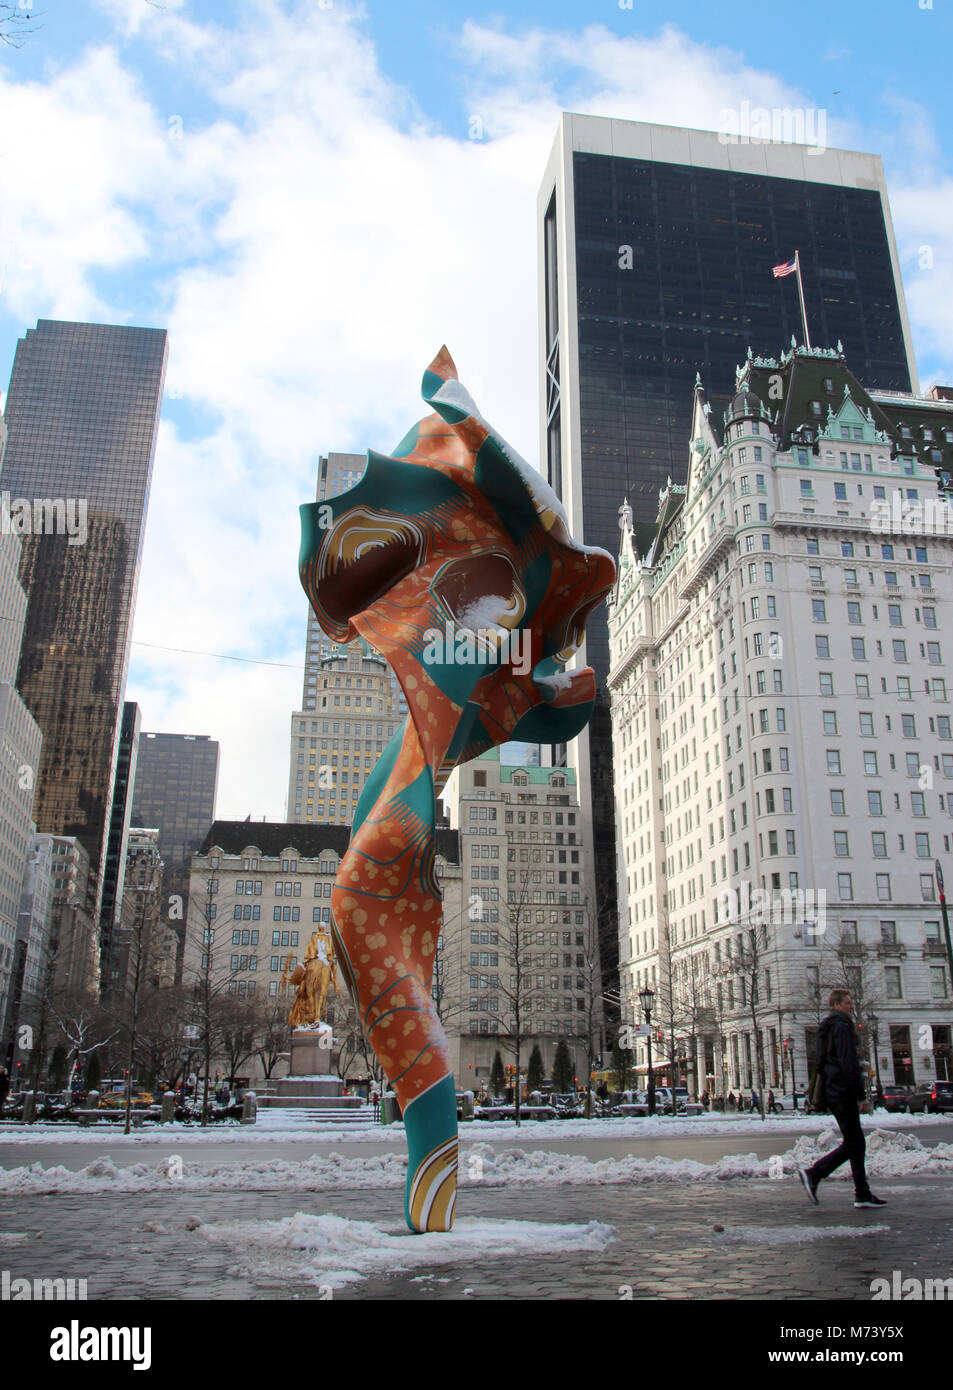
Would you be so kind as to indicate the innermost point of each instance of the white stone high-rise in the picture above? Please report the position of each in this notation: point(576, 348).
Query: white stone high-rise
point(783, 729)
point(526, 932)
point(20, 744)
point(335, 745)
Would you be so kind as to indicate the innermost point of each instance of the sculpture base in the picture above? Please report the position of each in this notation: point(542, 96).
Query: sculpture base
point(310, 1085)
point(311, 1051)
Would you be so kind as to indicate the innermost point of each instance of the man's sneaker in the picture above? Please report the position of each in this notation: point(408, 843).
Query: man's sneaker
point(810, 1184)
point(869, 1201)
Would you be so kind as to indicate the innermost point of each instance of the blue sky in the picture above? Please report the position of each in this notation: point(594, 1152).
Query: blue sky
point(293, 191)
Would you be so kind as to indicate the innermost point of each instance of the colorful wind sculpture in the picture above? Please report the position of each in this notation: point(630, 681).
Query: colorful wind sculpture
point(452, 557)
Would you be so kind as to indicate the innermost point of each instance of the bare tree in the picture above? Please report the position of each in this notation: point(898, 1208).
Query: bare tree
point(17, 23)
point(237, 1024)
point(746, 966)
point(590, 1020)
point(213, 977)
point(273, 1032)
point(82, 1025)
point(695, 1010)
point(164, 1017)
point(448, 989)
point(844, 962)
point(515, 985)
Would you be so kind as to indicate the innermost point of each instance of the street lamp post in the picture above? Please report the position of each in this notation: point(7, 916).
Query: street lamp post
point(647, 999)
point(946, 919)
point(874, 1022)
point(790, 1044)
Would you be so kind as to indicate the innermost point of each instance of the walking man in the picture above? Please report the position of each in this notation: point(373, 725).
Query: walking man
point(846, 1099)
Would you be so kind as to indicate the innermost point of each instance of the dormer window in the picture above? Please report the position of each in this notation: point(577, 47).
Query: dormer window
point(816, 409)
point(829, 385)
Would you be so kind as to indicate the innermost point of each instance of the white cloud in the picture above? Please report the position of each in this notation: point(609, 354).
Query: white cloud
point(130, 17)
point(309, 246)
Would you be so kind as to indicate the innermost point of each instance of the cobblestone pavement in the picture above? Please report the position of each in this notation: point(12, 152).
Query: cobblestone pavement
point(668, 1246)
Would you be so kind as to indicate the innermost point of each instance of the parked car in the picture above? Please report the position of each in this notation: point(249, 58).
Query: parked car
point(784, 1104)
point(896, 1100)
point(113, 1098)
point(932, 1097)
point(639, 1105)
point(663, 1098)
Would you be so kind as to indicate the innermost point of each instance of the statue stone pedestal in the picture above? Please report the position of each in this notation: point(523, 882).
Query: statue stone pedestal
point(310, 1085)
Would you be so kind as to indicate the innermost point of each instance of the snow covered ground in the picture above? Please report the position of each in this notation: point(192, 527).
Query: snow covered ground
point(333, 1251)
point(287, 1127)
point(890, 1153)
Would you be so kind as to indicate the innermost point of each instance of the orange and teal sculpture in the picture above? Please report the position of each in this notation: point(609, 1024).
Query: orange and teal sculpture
point(453, 558)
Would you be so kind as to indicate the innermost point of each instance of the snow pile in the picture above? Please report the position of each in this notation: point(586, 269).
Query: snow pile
point(481, 1163)
point(333, 1251)
point(312, 1174)
point(795, 1235)
point(289, 1126)
point(889, 1153)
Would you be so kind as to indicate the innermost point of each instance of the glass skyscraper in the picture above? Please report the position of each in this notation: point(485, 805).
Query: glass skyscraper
point(82, 414)
point(174, 789)
point(656, 250)
point(120, 819)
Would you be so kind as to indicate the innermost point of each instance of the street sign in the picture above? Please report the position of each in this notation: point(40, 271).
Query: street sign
point(642, 1030)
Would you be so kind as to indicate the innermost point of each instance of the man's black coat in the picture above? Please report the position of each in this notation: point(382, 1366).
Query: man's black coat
point(837, 1059)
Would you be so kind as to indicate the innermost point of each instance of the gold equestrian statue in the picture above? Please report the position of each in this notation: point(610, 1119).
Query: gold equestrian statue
point(314, 977)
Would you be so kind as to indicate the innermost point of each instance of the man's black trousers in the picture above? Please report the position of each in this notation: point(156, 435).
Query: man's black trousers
point(852, 1149)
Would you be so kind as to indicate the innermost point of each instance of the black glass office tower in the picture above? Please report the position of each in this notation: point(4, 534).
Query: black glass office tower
point(120, 819)
point(174, 792)
point(82, 413)
point(656, 251)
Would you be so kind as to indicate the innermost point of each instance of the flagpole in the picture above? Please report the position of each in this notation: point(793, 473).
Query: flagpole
point(800, 290)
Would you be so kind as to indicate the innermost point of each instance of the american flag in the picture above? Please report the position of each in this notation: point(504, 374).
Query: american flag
point(788, 268)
